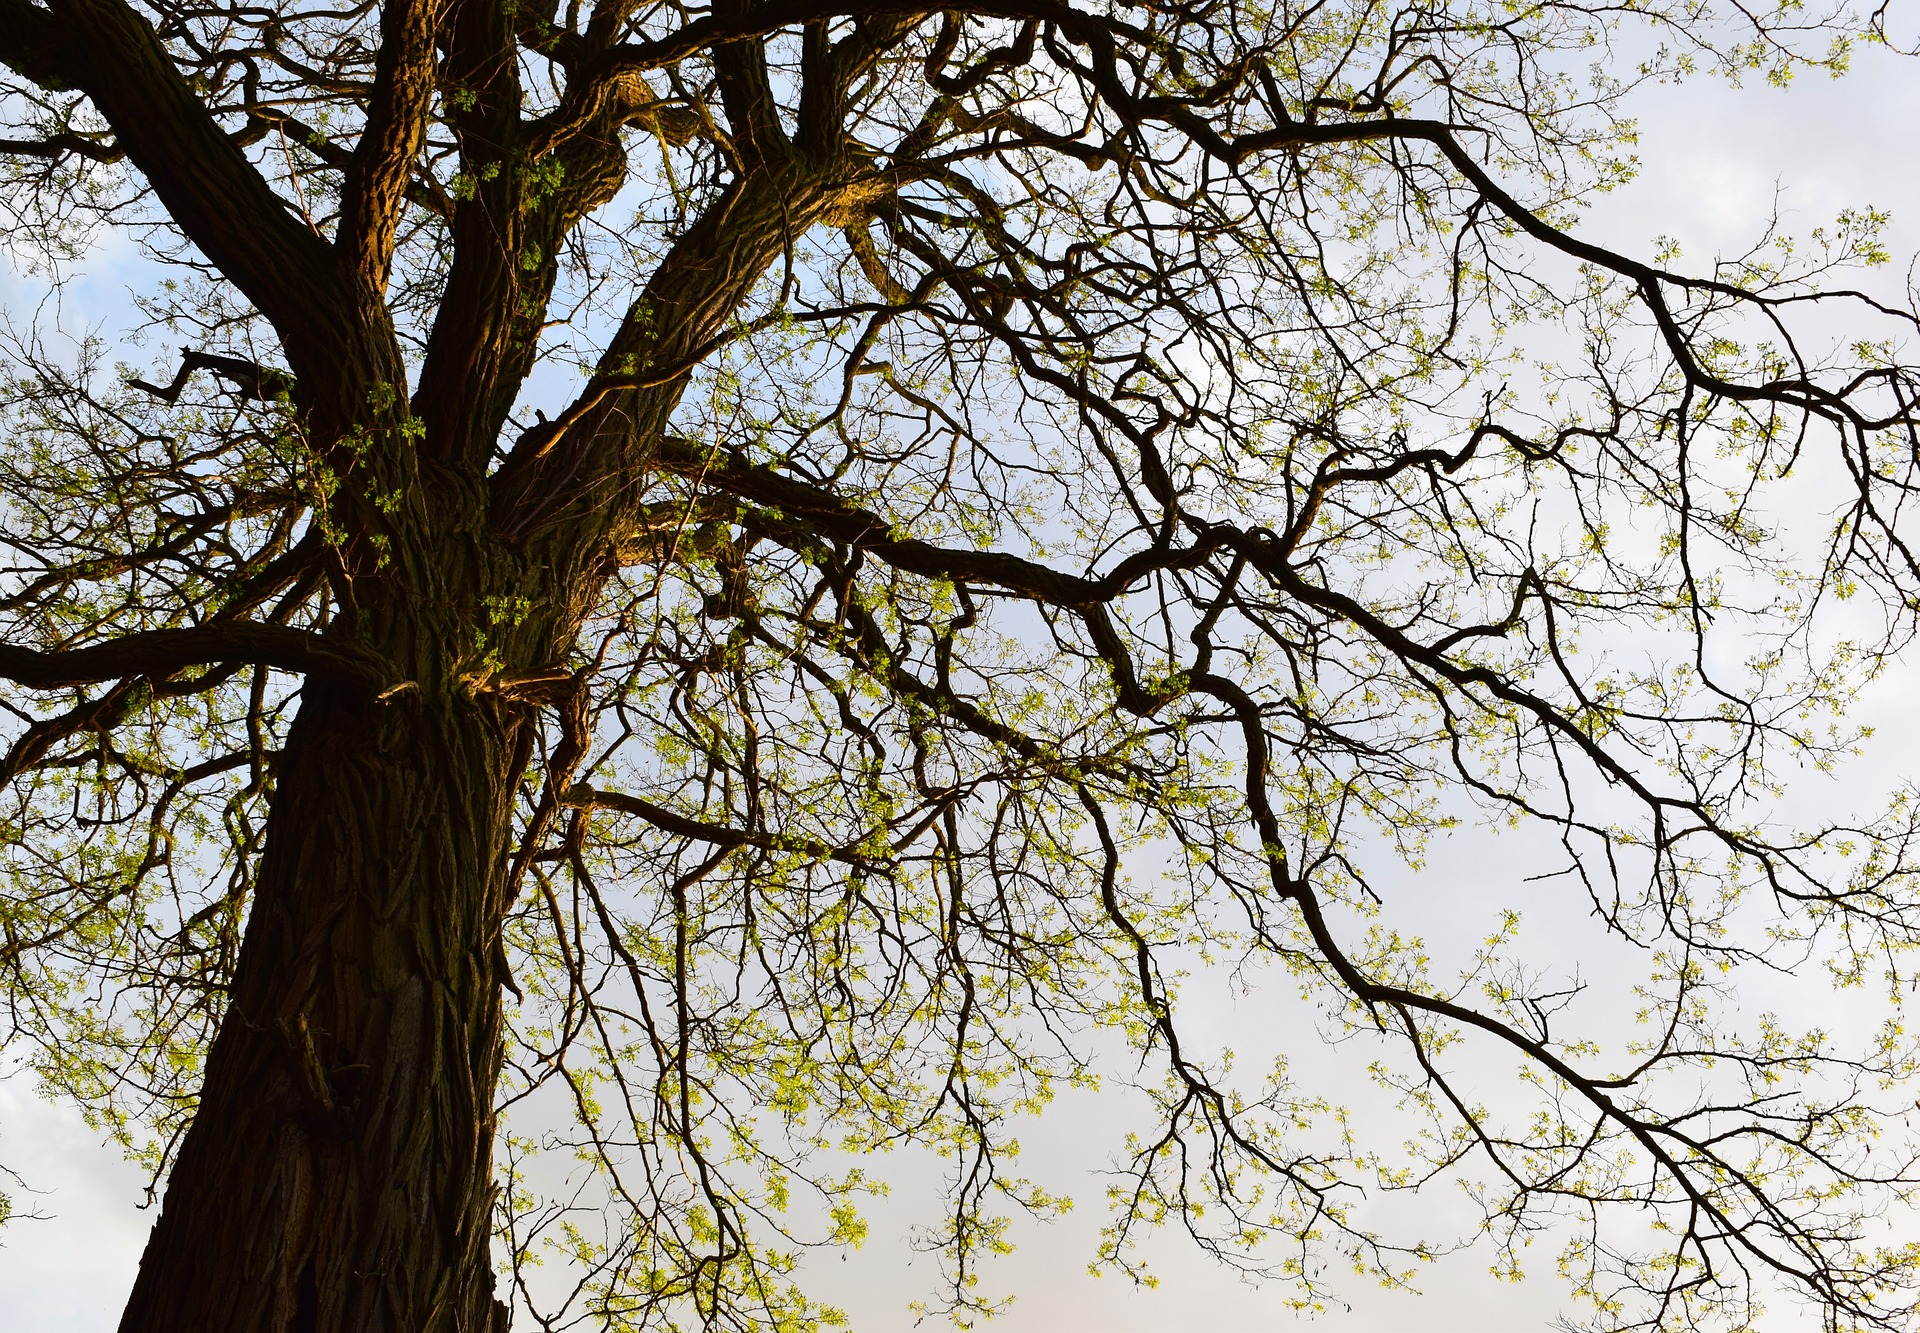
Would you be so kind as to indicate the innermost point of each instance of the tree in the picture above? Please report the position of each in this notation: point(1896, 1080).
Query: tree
point(1048, 496)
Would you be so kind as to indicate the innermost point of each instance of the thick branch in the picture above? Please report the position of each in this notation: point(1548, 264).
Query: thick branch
point(382, 170)
point(61, 145)
point(819, 511)
point(202, 178)
point(161, 652)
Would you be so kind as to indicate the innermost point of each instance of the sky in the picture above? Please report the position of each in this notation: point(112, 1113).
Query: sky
point(1713, 161)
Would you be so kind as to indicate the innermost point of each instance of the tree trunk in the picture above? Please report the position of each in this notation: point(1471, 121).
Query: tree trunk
point(337, 1176)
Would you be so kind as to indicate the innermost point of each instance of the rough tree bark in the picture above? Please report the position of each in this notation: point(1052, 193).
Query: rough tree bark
point(338, 1174)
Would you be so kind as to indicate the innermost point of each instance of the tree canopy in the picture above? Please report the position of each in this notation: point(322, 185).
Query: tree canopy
point(682, 597)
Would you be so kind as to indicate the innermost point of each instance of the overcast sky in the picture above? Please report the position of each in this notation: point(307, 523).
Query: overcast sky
point(1712, 160)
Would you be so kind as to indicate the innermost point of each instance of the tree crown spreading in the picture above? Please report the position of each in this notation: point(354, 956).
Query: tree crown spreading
point(845, 556)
